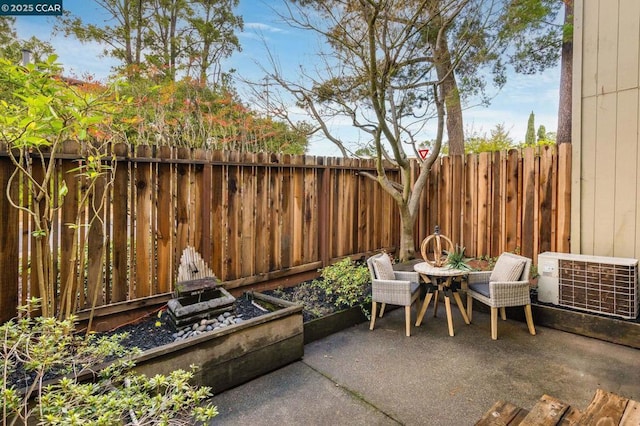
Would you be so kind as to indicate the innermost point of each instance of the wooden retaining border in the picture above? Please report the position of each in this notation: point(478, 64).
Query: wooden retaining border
point(320, 328)
point(609, 329)
point(236, 354)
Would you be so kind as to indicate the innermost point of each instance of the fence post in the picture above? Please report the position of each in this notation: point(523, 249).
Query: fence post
point(323, 211)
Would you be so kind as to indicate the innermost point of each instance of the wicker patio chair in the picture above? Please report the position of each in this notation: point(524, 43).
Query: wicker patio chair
point(392, 287)
point(507, 285)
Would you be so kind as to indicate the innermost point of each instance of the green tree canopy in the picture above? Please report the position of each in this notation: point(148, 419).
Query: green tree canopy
point(167, 37)
point(499, 140)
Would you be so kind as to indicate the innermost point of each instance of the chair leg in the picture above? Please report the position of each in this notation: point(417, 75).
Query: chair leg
point(374, 308)
point(503, 313)
point(384, 305)
point(469, 307)
point(494, 323)
point(407, 319)
point(529, 317)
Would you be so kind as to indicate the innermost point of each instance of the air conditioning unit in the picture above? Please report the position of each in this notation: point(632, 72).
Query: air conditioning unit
point(606, 285)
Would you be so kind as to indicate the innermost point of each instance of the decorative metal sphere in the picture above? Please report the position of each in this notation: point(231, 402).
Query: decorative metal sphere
point(431, 248)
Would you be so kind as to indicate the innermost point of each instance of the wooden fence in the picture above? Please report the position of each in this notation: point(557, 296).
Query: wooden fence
point(503, 201)
point(256, 217)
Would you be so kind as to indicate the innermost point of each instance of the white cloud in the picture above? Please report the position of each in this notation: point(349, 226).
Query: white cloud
point(261, 27)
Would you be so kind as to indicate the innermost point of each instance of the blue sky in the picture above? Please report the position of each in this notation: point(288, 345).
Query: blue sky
point(291, 47)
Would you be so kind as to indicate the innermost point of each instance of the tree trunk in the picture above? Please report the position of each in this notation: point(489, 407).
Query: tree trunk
point(566, 75)
point(449, 88)
point(455, 131)
point(407, 249)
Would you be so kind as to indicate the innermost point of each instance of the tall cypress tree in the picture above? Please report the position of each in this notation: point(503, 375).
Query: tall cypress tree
point(530, 137)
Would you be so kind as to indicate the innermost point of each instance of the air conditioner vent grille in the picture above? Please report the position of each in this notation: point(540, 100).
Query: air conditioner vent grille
point(599, 287)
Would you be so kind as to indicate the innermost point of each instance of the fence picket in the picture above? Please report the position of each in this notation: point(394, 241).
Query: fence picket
point(121, 219)
point(9, 245)
point(165, 226)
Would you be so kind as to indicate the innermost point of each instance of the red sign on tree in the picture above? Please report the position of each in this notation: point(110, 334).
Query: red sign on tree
point(423, 153)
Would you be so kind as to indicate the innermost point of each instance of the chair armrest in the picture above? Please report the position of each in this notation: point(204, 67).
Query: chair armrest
point(407, 276)
point(510, 293)
point(393, 292)
point(478, 277)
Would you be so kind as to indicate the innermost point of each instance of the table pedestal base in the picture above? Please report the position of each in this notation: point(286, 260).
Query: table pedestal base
point(449, 289)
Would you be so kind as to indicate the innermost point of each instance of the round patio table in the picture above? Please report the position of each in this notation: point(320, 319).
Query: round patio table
point(442, 277)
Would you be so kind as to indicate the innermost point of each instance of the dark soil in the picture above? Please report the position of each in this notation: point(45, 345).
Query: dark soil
point(317, 303)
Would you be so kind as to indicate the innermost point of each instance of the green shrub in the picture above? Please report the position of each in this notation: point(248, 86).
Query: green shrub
point(37, 349)
point(347, 281)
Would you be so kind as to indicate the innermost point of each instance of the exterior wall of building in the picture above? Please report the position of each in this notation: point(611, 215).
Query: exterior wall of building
point(605, 216)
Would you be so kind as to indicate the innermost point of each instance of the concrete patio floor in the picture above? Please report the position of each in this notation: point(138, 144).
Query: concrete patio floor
point(382, 377)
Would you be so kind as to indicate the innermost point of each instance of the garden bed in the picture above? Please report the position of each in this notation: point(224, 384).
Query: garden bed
point(235, 354)
point(322, 311)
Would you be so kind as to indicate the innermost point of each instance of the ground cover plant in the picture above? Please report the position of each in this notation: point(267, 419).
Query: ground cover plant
point(40, 348)
point(342, 285)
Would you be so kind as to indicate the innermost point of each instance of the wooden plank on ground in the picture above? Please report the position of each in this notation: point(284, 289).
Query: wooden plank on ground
point(547, 411)
point(606, 408)
point(572, 417)
point(631, 416)
point(502, 413)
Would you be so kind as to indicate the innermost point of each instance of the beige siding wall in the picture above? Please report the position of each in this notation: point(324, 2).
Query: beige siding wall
point(605, 183)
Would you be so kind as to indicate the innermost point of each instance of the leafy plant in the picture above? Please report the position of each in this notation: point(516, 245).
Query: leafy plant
point(348, 281)
point(457, 260)
point(37, 349)
point(39, 114)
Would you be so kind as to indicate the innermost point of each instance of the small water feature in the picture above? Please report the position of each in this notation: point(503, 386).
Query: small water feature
point(197, 300)
point(200, 299)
